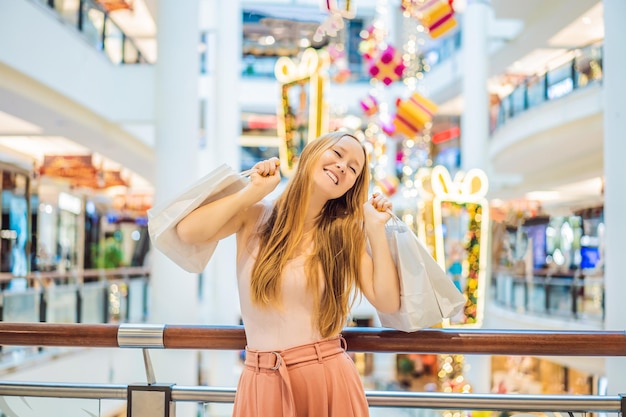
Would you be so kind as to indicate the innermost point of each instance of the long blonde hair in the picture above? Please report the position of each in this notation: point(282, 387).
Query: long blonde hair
point(338, 238)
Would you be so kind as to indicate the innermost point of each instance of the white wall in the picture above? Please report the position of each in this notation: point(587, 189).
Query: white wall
point(37, 44)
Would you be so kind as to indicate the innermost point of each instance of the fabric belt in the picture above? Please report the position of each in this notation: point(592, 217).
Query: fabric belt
point(279, 361)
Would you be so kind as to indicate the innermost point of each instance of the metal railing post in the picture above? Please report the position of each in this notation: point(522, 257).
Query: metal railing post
point(150, 399)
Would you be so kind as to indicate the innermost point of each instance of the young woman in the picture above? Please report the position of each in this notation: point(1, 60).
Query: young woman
point(301, 260)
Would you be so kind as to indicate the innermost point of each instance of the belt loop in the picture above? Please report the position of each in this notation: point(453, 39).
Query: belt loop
point(256, 362)
point(344, 344)
point(319, 352)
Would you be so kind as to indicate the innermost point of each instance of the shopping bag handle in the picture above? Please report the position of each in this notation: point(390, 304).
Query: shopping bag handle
point(247, 172)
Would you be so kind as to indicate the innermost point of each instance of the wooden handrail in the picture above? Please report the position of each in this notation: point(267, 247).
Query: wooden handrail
point(53, 334)
point(359, 339)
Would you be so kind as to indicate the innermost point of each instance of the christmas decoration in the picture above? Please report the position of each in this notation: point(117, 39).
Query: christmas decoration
point(459, 207)
point(369, 105)
point(473, 259)
point(338, 71)
point(388, 66)
point(450, 374)
point(386, 125)
point(329, 27)
point(413, 114)
point(346, 8)
point(334, 22)
point(438, 17)
point(388, 184)
point(367, 47)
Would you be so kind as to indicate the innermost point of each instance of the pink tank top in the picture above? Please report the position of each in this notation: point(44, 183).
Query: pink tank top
point(277, 328)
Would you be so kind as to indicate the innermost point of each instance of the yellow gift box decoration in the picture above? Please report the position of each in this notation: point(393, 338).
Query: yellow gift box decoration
point(388, 185)
point(438, 17)
point(413, 114)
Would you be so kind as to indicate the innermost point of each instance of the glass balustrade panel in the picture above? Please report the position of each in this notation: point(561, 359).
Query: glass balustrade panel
point(519, 295)
point(537, 296)
point(22, 307)
point(114, 42)
point(131, 53)
point(19, 406)
point(137, 300)
point(68, 10)
point(536, 93)
point(62, 304)
point(560, 298)
point(93, 302)
point(93, 25)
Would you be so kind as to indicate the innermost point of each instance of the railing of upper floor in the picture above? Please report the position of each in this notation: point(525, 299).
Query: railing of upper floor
point(575, 298)
point(89, 296)
point(95, 25)
point(582, 67)
point(457, 341)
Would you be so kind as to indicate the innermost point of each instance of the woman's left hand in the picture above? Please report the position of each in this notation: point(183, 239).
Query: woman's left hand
point(377, 208)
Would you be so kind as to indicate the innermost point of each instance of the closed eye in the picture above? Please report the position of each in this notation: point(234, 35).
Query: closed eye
point(339, 155)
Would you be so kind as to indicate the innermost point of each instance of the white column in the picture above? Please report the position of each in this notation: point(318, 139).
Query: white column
point(173, 297)
point(614, 86)
point(176, 115)
point(223, 22)
point(477, 371)
point(475, 117)
point(475, 133)
point(384, 369)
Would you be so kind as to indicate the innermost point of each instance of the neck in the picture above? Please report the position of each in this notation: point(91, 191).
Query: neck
point(313, 211)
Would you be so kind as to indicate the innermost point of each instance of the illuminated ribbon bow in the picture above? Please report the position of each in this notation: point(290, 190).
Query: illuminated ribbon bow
point(471, 185)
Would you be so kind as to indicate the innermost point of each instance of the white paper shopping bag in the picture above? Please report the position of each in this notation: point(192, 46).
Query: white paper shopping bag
point(427, 294)
point(163, 218)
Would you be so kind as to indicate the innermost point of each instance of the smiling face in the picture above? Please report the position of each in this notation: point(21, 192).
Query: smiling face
point(338, 168)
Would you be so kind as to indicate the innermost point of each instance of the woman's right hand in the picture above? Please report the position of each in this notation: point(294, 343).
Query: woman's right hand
point(264, 178)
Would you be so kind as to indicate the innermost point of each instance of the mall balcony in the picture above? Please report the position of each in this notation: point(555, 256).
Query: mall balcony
point(79, 79)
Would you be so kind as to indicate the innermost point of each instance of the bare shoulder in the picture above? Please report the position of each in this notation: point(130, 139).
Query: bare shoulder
point(254, 216)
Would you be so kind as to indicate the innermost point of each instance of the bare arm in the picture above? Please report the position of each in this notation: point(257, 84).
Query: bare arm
point(380, 283)
point(221, 218)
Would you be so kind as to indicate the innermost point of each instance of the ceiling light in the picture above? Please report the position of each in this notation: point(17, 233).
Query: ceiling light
point(543, 195)
point(267, 40)
point(12, 125)
point(38, 146)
